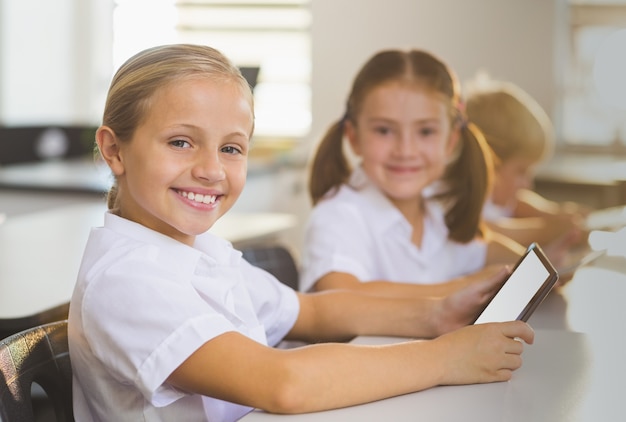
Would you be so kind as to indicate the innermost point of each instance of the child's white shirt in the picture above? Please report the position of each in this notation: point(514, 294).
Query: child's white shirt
point(143, 303)
point(493, 212)
point(360, 232)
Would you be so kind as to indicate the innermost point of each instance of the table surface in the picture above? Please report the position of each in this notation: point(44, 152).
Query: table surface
point(41, 252)
point(81, 175)
point(575, 371)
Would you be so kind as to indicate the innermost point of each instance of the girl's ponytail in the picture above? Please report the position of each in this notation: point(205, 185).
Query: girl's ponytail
point(330, 166)
point(468, 182)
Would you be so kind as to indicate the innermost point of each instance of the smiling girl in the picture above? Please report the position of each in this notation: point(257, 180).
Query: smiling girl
point(406, 220)
point(168, 322)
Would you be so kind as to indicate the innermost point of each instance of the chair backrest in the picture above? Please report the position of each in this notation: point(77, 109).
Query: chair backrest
point(275, 259)
point(36, 355)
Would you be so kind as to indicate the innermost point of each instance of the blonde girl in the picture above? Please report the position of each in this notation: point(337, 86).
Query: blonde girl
point(408, 214)
point(168, 322)
point(521, 136)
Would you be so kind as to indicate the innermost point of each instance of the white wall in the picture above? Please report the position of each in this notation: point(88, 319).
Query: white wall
point(55, 59)
point(55, 56)
point(511, 39)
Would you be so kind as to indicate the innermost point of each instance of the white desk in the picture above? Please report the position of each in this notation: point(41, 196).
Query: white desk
point(40, 254)
point(575, 371)
point(78, 175)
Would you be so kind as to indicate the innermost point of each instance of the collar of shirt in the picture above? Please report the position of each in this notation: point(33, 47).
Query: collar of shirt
point(391, 220)
point(210, 257)
point(208, 251)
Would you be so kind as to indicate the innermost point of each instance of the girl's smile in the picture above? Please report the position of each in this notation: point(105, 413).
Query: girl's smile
point(198, 198)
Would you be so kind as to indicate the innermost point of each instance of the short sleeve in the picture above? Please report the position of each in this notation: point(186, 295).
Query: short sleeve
point(143, 325)
point(337, 238)
point(276, 305)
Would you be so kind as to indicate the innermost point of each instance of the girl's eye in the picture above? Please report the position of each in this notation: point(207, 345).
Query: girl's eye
point(427, 131)
point(382, 130)
point(231, 150)
point(179, 143)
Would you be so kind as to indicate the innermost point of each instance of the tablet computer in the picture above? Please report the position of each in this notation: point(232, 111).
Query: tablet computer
point(528, 284)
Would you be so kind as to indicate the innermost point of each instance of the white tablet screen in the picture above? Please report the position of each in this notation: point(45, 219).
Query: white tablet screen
point(517, 292)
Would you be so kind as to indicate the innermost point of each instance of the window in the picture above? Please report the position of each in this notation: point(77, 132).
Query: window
point(593, 103)
point(271, 35)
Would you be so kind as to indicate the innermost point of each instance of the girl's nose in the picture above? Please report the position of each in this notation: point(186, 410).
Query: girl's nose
point(405, 144)
point(209, 167)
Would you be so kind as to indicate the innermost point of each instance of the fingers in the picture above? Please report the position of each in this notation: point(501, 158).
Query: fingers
point(518, 330)
point(514, 347)
point(511, 355)
point(495, 280)
point(491, 284)
point(503, 375)
point(512, 362)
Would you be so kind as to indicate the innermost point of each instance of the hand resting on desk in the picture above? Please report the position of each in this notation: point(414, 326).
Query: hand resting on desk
point(488, 354)
point(491, 356)
point(333, 375)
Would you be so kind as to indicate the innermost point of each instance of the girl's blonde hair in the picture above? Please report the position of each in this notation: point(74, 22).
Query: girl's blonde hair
point(513, 123)
point(136, 81)
point(467, 179)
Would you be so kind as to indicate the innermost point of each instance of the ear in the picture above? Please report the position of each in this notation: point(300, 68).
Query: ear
point(109, 146)
point(349, 132)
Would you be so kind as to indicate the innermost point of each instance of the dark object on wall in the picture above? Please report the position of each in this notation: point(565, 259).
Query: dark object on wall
point(251, 74)
point(24, 144)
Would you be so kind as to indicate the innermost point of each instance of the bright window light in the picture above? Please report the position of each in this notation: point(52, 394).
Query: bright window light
point(271, 35)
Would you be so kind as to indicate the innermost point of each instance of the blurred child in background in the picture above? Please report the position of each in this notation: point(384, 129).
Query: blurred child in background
point(521, 136)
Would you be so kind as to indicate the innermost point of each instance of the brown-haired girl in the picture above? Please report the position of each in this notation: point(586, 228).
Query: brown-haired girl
point(409, 213)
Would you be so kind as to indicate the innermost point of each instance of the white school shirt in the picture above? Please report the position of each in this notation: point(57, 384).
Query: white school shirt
point(493, 212)
point(144, 302)
point(360, 232)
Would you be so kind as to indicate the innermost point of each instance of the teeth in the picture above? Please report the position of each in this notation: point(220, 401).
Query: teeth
point(204, 199)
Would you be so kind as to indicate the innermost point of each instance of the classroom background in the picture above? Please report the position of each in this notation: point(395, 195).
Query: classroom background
point(57, 58)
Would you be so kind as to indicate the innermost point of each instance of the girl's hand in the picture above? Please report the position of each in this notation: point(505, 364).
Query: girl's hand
point(566, 229)
point(484, 352)
point(559, 249)
point(463, 306)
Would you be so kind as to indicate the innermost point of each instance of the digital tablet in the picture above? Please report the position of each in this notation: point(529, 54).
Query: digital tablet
point(528, 284)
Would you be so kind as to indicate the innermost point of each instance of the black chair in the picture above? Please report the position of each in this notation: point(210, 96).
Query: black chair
point(37, 355)
point(10, 326)
point(274, 259)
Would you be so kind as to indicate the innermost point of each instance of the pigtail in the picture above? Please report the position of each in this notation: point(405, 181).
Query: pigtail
point(330, 168)
point(468, 182)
